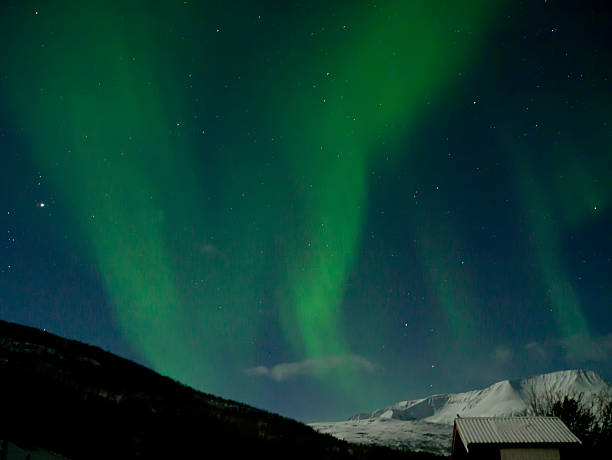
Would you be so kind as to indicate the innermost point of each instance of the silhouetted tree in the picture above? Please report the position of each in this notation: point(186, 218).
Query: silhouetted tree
point(578, 416)
point(589, 419)
point(603, 440)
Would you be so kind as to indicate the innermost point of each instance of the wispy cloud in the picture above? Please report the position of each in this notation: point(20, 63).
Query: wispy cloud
point(314, 366)
point(575, 349)
point(536, 349)
point(503, 353)
point(580, 348)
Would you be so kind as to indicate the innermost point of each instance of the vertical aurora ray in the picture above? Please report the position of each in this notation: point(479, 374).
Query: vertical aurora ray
point(310, 209)
point(99, 121)
point(572, 193)
point(89, 120)
point(369, 92)
point(563, 298)
point(453, 286)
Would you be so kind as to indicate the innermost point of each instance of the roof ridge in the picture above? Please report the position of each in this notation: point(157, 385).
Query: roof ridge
point(531, 429)
point(508, 416)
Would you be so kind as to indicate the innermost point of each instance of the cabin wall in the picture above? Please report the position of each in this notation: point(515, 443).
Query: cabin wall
point(459, 452)
point(483, 452)
point(529, 454)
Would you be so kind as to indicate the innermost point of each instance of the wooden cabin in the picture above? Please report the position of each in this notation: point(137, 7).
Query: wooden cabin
point(513, 438)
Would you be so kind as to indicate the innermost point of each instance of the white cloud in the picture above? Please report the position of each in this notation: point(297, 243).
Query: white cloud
point(503, 354)
point(582, 348)
point(536, 349)
point(313, 366)
point(576, 349)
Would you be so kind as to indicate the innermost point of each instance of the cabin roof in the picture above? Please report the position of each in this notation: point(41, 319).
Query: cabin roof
point(533, 430)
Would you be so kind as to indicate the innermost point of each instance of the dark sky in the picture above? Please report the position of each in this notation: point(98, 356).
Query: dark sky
point(315, 208)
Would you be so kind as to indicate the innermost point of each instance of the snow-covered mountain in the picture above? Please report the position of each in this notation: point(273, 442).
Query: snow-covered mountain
point(505, 398)
point(426, 424)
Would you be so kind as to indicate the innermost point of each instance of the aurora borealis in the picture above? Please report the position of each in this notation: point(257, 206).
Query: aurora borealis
point(313, 208)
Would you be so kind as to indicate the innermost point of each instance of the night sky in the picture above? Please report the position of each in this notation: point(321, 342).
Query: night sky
point(316, 208)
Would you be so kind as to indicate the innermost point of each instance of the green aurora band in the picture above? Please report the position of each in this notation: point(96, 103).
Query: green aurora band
point(378, 84)
point(572, 199)
point(101, 104)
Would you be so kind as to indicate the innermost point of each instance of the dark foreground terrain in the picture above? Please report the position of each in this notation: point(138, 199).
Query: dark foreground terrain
point(81, 402)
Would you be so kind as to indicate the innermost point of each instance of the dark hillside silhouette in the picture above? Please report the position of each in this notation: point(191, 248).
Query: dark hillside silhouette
point(86, 403)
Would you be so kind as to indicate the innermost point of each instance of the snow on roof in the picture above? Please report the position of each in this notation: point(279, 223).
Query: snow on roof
point(513, 430)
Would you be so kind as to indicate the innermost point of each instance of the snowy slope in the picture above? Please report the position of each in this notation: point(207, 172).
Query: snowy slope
point(426, 424)
point(505, 398)
point(416, 436)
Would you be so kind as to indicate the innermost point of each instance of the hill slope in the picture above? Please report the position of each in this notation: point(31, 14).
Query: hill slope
point(81, 402)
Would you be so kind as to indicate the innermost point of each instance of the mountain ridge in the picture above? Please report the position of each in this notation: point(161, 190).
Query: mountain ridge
point(507, 398)
point(425, 424)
